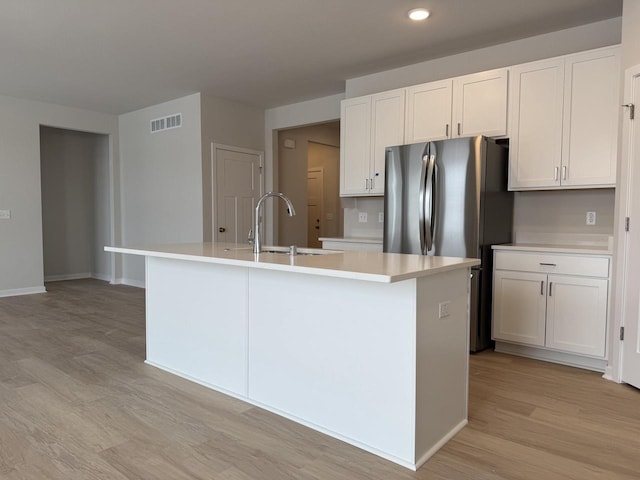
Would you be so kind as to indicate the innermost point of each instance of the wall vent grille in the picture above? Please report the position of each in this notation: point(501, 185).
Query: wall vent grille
point(166, 123)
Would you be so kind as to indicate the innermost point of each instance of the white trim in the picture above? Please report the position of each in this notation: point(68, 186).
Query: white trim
point(562, 358)
point(432, 451)
point(14, 292)
point(623, 206)
point(214, 175)
point(104, 277)
point(130, 282)
point(67, 276)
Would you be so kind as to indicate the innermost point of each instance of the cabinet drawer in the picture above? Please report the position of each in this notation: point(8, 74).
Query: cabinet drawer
point(553, 263)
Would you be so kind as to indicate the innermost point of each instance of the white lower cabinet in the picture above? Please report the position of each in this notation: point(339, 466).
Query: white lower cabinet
point(552, 302)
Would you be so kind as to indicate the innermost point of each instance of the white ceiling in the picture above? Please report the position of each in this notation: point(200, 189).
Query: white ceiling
point(117, 56)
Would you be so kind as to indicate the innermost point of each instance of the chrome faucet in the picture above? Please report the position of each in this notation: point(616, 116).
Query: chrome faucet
point(257, 241)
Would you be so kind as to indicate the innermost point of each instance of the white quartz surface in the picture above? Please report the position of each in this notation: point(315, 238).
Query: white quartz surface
point(369, 266)
point(537, 247)
point(351, 239)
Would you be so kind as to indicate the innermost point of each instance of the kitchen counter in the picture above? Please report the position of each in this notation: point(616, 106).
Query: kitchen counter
point(537, 247)
point(351, 239)
point(370, 348)
point(368, 266)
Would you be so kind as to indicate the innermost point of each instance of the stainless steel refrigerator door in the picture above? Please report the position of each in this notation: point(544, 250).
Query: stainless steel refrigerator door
point(457, 215)
point(404, 212)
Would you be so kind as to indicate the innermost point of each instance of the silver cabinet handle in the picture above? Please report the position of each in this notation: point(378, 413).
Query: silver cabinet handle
point(373, 183)
point(446, 130)
point(366, 184)
point(541, 287)
point(550, 289)
point(555, 173)
point(548, 264)
point(458, 128)
point(564, 172)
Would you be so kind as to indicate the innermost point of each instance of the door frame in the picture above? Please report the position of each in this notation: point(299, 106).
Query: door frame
point(322, 215)
point(215, 147)
point(623, 210)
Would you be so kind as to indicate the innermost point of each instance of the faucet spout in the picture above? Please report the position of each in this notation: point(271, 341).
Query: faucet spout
point(257, 243)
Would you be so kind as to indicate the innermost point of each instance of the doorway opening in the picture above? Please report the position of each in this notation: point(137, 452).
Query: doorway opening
point(76, 204)
point(309, 174)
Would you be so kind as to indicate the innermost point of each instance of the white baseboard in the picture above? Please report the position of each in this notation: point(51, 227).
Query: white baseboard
point(14, 292)
point(67, 276)
point(101, 276)
point(570, 359)
point(130, 282)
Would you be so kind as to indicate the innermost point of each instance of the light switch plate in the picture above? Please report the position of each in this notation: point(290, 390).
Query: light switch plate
point(5, 214)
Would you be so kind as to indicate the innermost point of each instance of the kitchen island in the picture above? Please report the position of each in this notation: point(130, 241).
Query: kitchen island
point(367, 347)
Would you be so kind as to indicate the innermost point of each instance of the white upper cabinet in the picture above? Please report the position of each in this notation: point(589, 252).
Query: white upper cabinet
point(428, 112)
point(480, 104)
point(368, 125)
point(460, 107)
point(535, 146)
point(387, 125)
point(564, 121)
point(355, 145)
point(591, 107)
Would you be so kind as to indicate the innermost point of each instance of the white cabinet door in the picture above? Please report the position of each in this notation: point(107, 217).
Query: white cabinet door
point(355, 141)
point(535, 124)
point(577, 314)
point(480, 104)
point(519, 307)
point(428, 112)
point(591, 109)
point(387, 130)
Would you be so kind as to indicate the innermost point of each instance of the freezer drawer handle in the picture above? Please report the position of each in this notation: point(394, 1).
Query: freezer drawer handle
point(547, 264)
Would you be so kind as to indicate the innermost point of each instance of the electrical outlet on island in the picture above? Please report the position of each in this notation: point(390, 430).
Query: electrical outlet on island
point(591, 218)
point(362, 217)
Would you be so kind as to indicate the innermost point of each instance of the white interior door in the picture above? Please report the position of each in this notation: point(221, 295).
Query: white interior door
point(315, 206)
point(237, 186)
point(631, 282)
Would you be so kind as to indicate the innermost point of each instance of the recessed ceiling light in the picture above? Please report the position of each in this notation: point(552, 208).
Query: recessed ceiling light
point(418, 14)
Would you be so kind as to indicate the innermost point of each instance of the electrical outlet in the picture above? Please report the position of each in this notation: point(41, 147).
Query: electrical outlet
point(380, 217)
point(591, 218)
point(443, 309)
point(362, 217)
point(5, 214)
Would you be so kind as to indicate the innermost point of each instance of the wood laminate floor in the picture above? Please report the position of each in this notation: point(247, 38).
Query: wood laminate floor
point(77, 402)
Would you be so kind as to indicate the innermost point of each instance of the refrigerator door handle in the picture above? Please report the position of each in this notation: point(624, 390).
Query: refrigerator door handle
point(421, 202)
point(429, 197)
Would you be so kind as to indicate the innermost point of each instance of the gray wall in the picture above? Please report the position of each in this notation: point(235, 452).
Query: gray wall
point(161, 181)
point(21, 258)
point(228, 123)
point(166, 176)
point(585, 37)
point(292, 181)
point(75, 204)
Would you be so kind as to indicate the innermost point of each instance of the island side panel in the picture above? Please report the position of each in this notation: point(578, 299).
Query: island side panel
point(338, 354)
point(197, 321)
point(442, 360)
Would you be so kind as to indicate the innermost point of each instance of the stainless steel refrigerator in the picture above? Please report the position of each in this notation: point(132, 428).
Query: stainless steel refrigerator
point(450, 198)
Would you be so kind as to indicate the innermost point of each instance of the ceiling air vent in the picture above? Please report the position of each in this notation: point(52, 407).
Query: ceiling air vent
point(166, 123)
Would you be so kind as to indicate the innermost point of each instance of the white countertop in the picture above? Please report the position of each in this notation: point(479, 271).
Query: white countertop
point(369, 266)
point(538, 247)
point(351, 239)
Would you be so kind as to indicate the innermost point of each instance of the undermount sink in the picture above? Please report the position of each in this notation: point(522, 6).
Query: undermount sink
point(298, 251)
